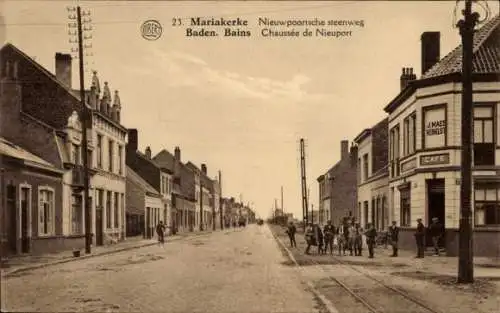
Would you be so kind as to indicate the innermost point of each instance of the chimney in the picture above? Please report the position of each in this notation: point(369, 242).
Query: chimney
point(430, 49)
point(204, 169)
point(132, 140)
point(148, 152)
point(177, 154)
point(407, 75)
point(354, 155)
point(344, 149)
point(63, 69)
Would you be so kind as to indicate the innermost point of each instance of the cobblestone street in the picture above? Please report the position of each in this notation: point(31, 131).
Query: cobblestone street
point(230, 271)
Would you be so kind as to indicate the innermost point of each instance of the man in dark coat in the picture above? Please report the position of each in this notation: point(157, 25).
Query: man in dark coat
point(329, 232)
point(420, 238)
point(160, 231)
point(394, 237)
point(436, 232)
point(358, 240)
point(310, 238)
point(371, 235)
point(291, 234)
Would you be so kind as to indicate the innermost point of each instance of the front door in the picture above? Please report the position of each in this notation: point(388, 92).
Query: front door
point(25, 207)
point(435, 205)
point(98, 228)
point(12, 219)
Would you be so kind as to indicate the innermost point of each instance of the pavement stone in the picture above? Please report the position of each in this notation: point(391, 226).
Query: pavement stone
point(19, 264)
point(230, 271)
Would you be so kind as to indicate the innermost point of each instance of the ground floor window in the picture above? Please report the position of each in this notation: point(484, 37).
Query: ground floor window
point(365, 213)
point(46, 211)
point(405, 209)
point(76, 214)
point(487, 204)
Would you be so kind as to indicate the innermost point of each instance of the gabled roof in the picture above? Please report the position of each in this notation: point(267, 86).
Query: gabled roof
point(41, 68)
point(486, 49)
point(165, 159)
point(486, 53)
point(153, 162)
point(138, 180)
point(12, 150)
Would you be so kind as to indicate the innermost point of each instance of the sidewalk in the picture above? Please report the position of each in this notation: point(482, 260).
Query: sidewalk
point(16, 264)
point(442, 265)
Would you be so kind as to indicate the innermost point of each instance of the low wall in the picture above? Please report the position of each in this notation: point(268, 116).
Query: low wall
point(485, 241)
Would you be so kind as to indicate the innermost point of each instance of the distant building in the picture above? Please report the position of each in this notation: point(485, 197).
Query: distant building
point(337, 187)
point(141, 199)
point(373, 176)
point(156, 175)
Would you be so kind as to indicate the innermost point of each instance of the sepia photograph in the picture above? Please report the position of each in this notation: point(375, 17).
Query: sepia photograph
point(270, 156)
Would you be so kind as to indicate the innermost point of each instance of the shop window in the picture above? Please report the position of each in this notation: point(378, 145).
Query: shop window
point(487, 205)
point(484, 143)
point(108, 209)
point(365, 213)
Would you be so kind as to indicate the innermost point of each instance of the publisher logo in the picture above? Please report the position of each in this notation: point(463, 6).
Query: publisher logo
point(151, 30)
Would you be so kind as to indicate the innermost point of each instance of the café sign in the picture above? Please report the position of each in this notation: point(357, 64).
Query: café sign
point(435, 159)
point(435, 127)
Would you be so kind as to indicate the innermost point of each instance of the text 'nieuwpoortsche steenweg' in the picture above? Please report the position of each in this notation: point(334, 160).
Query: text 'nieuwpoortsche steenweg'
point(237, 27)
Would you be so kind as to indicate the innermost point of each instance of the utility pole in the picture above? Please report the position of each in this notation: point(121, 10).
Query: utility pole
point(201, 205)
point(220, 202)
point(305, 206)
point(85, 116)
point(282, 208)
point(465, 261)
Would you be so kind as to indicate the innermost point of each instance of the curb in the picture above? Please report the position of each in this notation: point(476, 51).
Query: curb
point(329, 306)
point(87, 256)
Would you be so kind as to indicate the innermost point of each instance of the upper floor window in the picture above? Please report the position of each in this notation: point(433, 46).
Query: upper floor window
point(409, 135)
point(484, 128)
point(365, 167)
point(120, 160)
point(75, 154)
point(394, 153)
point(359, 171)
point(99, 151)
point(110, 155)
point(434, 132)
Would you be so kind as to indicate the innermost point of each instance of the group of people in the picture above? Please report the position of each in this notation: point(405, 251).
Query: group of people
point(348, 237)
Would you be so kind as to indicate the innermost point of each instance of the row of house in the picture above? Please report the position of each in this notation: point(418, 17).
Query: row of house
point(42, 172)
point(407, 165)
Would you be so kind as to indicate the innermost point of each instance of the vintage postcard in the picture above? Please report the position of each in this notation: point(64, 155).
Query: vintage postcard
point(250, 156)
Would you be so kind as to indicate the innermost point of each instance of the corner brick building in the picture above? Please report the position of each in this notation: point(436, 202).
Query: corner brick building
point(337, 187)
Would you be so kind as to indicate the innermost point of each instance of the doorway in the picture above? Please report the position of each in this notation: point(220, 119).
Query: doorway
point(25, 219)
point(435, 206)
point(12, 219)
point(98, 227)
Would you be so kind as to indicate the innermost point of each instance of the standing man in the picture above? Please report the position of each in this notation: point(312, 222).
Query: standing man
point(435, 231)
point(310, 238)
point(329, 232)
point(420, 239)
point(394, 237)
point(160, 231)
point(358, 240)
point(291, 234)
point(371, 235)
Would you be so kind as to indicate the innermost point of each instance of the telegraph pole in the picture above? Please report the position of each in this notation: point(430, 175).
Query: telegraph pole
point(282, 208)
point(305, 205)
point(85, 116)
point(220, 202)
point(201, 205)
point(465, 261)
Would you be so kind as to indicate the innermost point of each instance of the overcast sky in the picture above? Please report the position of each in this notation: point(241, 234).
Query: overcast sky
point(241, 104)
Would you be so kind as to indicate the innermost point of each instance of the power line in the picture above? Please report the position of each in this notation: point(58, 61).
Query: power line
point(185, 18)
